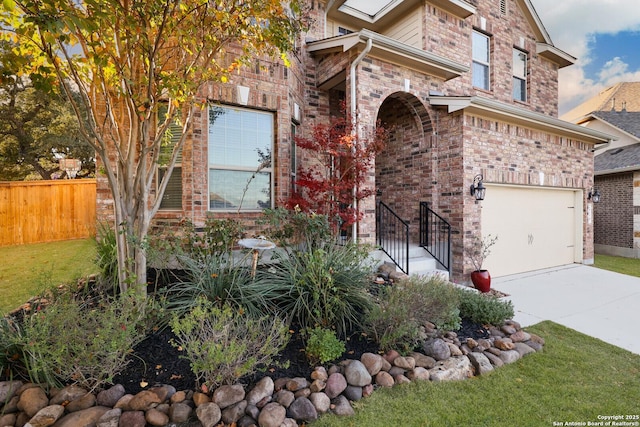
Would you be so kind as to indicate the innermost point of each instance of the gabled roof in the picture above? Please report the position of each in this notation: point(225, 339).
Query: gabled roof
point(616, 160)
point(495, 109)
point(621, 96)
point(626, 121)
point(389, 49)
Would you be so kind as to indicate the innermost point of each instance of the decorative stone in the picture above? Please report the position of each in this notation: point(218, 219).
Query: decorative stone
point(437, 348)
point(509, 356)
point(200, 398)
point(357, 374)
point(208, 414)
point(180, 412)
point(534, 345)
point(520, 336)
point(384, 379)
point(495, 360)
point(320, 373)
point(272, 415)
point(373, 362)
point(336, 383)
point(480, 363)
point(508, 329)
point(111, 418)
point(163, 392)
point(503, 344)
point(296, 384)
point(110, 396)
point(303, 410)
point(156, 418)
point(407, 363)
point(367, 390)
point(46, 416)
point(353, 393)
point(284, 397)
point(8, 389)
point(86, 417)
point(68, 394)
point(455, 368)
point(341, 406)
point(454, 349)
point(320, 401)
point(8, 419)
point(262, 389)
point(401, 379)
point(84, 402)
point(180, 396)
point(537, 339)
point(523, 349)
point(419, 374)
point(233, 413)
point(317, 385)
point(133, 419)
point(144, 400)
point(390, 356)
point(32, 400)
point(396, 371)
point(472, 343)
point(228, 395)
point(423, 360)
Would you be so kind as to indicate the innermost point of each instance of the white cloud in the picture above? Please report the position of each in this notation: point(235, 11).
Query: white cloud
point(571, 25)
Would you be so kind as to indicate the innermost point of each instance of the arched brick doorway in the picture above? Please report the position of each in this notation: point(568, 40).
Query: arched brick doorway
point(404, 169)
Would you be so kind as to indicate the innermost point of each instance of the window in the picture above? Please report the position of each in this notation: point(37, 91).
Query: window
point(172, 198)
point(240, 146)
point(480, 60)
point(519, 75)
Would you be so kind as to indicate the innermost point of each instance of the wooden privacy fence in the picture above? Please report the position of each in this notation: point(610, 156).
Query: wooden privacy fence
point(46, 211)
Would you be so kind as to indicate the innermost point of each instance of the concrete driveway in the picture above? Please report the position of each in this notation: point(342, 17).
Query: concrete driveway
point(596, 302)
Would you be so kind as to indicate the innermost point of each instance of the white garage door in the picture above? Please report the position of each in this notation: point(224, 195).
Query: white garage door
point(536, 228)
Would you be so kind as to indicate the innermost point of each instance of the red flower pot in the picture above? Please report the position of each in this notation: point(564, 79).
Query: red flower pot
point(481, 280)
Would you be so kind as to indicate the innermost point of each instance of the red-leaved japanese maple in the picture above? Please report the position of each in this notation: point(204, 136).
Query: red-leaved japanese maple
point(337, 163)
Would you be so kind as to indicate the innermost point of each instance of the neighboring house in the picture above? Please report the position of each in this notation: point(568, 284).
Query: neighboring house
point(468, 87)
point(616, 111)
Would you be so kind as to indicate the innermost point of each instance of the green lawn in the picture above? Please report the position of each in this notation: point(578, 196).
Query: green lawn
point(630, 266)
point(575, 379)
point(26, 270)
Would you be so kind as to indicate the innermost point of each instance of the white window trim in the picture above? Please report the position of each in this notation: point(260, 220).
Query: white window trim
point(523, 79)
point(486, 64)
point(269, 170)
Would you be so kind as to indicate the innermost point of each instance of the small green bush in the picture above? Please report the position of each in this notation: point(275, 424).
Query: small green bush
point(223, 344)
point(81, 341)
point(327, 286)
point(323, 346)
point(484, 308)
point(294, 228)
point(403, 309)
point(107, 255)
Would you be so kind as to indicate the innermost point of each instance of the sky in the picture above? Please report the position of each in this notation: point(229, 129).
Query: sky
point(605, 37)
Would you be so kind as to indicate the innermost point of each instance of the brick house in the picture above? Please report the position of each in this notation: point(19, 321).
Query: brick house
point(616, 111)
point(469, 87)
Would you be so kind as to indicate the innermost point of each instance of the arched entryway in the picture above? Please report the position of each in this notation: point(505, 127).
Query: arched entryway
point(404, 170)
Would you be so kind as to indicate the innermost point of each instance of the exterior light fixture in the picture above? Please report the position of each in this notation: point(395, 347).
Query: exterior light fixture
point(594, 195)
point(477, 188)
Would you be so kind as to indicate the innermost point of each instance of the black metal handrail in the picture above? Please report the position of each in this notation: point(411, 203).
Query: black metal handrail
point(393, 236)
point(435, 236)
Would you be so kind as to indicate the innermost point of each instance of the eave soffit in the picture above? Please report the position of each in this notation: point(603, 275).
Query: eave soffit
point(391, 50)
point(519, 116)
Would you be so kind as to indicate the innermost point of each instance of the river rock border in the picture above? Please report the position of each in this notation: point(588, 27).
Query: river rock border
point(284, 402)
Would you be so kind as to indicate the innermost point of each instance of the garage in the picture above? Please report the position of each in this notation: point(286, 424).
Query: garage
point(537, 227)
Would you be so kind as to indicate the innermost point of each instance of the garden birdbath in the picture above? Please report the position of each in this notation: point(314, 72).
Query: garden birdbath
point(256, 246)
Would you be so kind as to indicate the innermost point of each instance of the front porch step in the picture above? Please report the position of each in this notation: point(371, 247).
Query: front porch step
point(420, 262)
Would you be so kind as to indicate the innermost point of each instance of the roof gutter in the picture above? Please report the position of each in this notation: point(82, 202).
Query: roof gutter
point(354, 128)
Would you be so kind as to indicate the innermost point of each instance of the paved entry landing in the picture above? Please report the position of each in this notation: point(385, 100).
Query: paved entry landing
point(596, 302)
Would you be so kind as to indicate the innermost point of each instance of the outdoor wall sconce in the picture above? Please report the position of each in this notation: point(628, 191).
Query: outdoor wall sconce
point(594, 195)
point(477, 188)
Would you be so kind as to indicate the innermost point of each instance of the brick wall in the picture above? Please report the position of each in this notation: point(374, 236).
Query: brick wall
point(614, 214)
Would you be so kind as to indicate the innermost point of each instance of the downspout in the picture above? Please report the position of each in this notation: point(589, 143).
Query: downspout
point(354, 129)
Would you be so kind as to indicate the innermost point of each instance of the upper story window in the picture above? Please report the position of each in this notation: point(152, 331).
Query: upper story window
point(240, 147)
point(519, 75)
point(481, 60)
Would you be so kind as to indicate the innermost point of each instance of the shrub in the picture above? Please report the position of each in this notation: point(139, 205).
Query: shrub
point(223, 344)
point(107, 255)
point(402, 310)
point(293, 228)
point(484, 308)
point(83, 342)
point(218, 237)
point(323, 346)
point(327, 286)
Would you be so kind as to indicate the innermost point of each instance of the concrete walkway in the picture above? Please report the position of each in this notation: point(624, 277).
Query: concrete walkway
point(596, 302)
